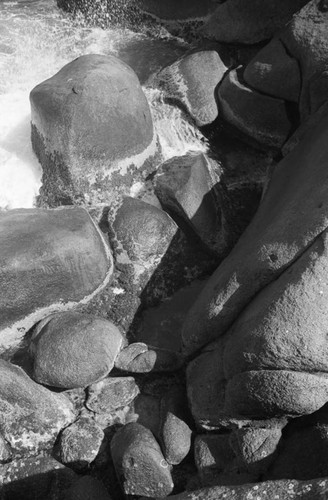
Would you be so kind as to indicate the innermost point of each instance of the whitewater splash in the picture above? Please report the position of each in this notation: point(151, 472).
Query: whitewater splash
point(36, 40)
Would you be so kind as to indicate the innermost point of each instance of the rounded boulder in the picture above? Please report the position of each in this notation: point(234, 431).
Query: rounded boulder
point(73, 350)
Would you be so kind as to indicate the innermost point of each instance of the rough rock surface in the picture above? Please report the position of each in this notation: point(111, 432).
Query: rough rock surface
point(35, 478)
point(31, 416)
point(305, 38)
point(91, 130)
point(237, 21)
point(261, 117)
point(274, 72)
point(190, 186)
point(141, 358)
point(213, 454)
point(111, 393)
point(296, 194)
point(139, 463)
point(176, 9)
point(71, 349)
point(191, 81)
point(50, 260)
point(80, 444)
point(285, 489)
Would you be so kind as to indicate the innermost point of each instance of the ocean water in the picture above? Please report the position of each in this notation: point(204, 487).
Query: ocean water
point(36, 40)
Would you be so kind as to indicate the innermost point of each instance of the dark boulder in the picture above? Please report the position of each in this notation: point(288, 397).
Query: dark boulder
point(50, 260)
point(92, 130)
point(86, 488)
point(260, 117)
point(174, 10)
point(237, 21)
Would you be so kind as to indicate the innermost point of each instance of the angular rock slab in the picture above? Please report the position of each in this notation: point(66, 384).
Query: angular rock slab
point(139, 462)
point(237, 21)
point(260, 117)
point(191, 82)
point(286, 489)
point(91, 128)
point(31, 416)
point(50, 260)
point(73, 350)
point(292, 214)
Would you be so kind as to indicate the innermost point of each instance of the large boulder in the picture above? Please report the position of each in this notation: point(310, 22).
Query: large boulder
point(292, 214)
point(91, 130)
point(237, 21)
point(173, 10)
point(191, 82)
point(31, 416)
point(261, 117)
point(71, 349)
point(50, 260)
point(274, 72)
point(306, 39)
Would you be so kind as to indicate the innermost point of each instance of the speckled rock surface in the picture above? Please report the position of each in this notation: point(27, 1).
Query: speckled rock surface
point(111, 393)
point(73, 350)
point(139, 462)
point(32, 416)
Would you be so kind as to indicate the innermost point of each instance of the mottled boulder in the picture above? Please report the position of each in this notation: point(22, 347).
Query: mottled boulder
point(175, 433)
point(284, 327)
point(190, 82)
point(31, 416)
point(50, 260)
point(306, 39)
point(91, 130)
point(261, 117)
point(190, 186)
point(111, 393)
point(274, 72)
point(71, 349)
point(292, 214)
point(35, 478)
point(141, 358)
point(275, 393)
point(256, 448)
point(237, 21)
point(139, 463)
point(173, 10)
point(286, 489)
point(86, 488)
point(80, 444)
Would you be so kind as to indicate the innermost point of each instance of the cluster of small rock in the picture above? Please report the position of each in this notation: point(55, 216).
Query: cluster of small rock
point(109, 385)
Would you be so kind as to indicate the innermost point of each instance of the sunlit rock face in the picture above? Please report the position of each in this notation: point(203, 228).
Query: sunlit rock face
point(50, 260)
point(91, 130)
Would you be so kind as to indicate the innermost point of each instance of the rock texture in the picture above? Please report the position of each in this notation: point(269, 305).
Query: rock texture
point(111, 393)
point(292, 214)
point(50, 260)
point(190, 82)
point(139, 462)
point(176, 10)
point(141, 358)
point(31, 416)
point(86, 488)
point(236, 21)
point(74, 350)
point(91, 129)
point(258, 116)
point(274, 72)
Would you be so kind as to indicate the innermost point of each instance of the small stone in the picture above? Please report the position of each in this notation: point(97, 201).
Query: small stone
point(141, 358)
point(80, 444)
point(111, 394)
point(73, 350)
point(139, 463)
